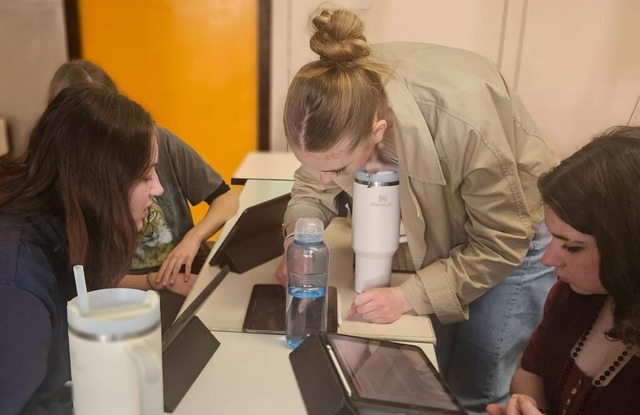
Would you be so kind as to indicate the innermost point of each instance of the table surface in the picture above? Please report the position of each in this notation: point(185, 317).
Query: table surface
point(251, 373)
point(225, 308)
point(248, 374)
point(266, 165)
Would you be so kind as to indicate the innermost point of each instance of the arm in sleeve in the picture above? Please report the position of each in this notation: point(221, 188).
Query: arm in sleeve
point(24, 348)
point(220, 210)
point(310, 198)
point(498, 226)
point(198, 181)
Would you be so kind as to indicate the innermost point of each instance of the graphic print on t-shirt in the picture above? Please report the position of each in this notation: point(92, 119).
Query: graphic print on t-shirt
point(155, 241)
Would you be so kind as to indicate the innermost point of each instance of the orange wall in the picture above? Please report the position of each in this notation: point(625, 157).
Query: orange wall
point(191, 63)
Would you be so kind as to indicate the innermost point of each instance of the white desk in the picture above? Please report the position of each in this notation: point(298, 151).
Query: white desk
point(248, 374)
point(225, 309)
point(266, 165)
point(251, 373)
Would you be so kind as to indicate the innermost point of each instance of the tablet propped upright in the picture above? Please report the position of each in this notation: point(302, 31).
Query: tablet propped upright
point(255, 238)
point(187, 347)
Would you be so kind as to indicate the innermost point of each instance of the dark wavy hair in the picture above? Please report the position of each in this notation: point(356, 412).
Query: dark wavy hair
point(86, 152)
point(597, 192)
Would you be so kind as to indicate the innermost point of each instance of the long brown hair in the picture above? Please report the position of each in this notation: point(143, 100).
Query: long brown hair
point(597, 192)
point(337, 97)
point(86, 152)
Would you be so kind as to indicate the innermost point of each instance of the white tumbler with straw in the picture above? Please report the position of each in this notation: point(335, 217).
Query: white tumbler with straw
point(115, 347)
point(376, 227)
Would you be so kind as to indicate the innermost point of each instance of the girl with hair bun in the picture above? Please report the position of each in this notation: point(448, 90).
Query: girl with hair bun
point(468, 154)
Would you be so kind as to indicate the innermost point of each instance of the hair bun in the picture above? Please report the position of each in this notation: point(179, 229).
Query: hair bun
point(339, 36)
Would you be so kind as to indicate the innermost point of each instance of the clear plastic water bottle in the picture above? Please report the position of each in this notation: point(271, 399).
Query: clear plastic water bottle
point(307, 276)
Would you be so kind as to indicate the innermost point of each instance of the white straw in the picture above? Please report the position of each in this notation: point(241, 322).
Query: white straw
point(81, 288)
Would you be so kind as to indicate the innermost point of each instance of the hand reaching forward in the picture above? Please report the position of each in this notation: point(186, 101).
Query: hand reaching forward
point(182, 254)
point(517, 405)
point(182, 285)
point(380, 305)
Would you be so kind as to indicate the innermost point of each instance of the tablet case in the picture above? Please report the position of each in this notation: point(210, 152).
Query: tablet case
point(255, 238)
point(321, 387)
point(251, 252)
point(184, 359)
point(318, 379)
point(187, 347)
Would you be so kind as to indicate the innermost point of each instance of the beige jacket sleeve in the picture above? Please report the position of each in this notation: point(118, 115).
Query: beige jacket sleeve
point(470, 155)
point(310, 198)
point(489, 209)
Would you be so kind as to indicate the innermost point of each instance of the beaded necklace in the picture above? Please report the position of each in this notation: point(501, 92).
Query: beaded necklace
point(555, 402)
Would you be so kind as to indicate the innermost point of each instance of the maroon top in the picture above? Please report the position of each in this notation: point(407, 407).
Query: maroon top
point(566, 317)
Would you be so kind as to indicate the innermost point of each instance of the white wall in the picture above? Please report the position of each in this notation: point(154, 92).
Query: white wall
point(33, 46)
point(576, 64)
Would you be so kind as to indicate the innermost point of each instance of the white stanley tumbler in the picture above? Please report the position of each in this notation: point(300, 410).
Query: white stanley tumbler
point(376, 227)
point(116, 353)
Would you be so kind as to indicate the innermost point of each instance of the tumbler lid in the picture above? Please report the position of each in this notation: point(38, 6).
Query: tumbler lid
point(309, 230)
point(115, 313)
point(379, 179)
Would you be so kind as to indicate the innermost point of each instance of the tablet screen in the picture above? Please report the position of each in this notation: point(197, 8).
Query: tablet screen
point(386, 372)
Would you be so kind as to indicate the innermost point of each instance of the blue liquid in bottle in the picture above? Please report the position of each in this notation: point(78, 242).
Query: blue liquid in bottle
point(307, 277)
point(306, 312)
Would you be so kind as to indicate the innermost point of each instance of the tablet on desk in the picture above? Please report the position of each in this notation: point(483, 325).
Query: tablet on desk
point(266, 310)
point(255, 238)
point(366, 376)
point(388, 376)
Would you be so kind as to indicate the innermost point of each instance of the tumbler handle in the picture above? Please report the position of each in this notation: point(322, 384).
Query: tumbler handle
point(149, 366)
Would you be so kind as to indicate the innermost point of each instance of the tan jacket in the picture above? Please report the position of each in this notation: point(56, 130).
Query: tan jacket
point(469, 157)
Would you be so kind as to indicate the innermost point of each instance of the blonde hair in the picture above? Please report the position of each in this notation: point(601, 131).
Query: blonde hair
point(337, 97)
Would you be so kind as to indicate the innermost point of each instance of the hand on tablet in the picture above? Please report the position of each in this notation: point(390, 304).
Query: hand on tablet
point(380, 305)
point(182, 254)
point(181, 286)
point(517, 405)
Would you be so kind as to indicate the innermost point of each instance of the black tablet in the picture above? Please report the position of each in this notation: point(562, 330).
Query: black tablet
point(382, 375)
point(187, 347)
point(255, 238)
point(266, 311)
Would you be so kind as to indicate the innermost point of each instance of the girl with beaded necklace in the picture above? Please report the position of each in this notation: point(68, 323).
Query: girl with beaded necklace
point(584, 356)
